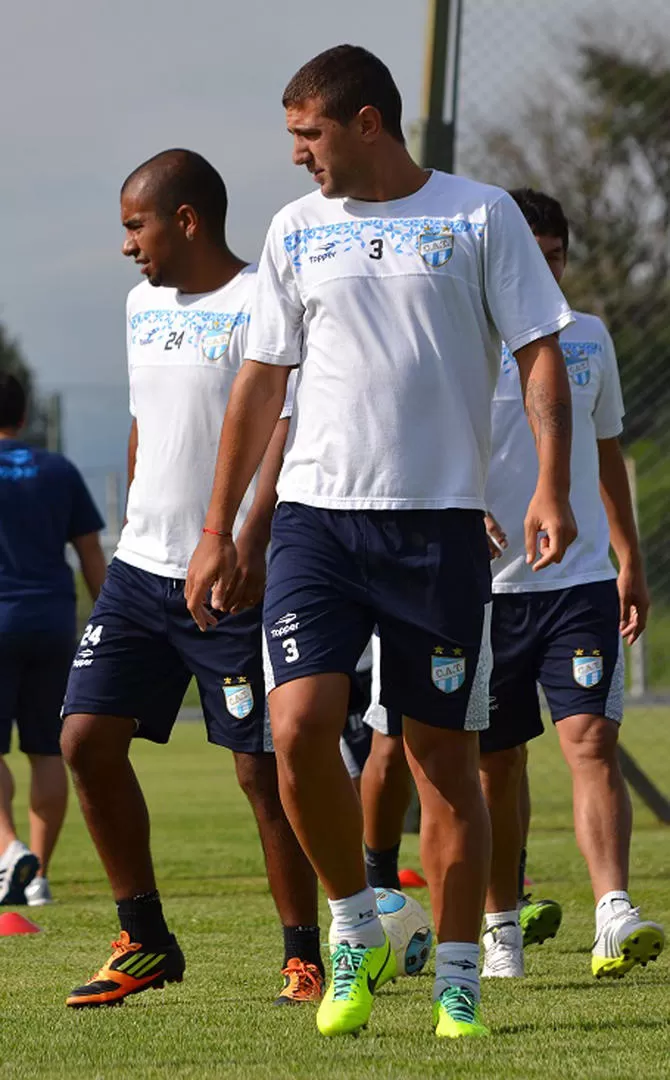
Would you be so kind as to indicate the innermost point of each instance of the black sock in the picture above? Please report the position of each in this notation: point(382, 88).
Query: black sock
point(522, 874)
point(142, 919)
point(381, 867)
point(303, 942)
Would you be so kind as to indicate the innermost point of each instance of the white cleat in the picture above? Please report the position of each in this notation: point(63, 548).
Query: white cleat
point(18, 867)
point(503, 952)
point(38, 892)
point(624, 941)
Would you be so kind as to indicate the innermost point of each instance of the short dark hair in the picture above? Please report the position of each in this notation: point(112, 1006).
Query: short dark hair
point(177, 177)
point(346, 79)
point(543, 213)
point(13, 401)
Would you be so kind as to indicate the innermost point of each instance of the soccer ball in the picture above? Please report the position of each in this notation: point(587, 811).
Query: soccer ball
point(407, 927)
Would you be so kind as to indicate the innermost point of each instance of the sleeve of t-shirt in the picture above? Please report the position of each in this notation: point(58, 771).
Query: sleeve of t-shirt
point(290, 396)
point(609, 411)
point(275, 332)
point(84, 516)
point(522, 296)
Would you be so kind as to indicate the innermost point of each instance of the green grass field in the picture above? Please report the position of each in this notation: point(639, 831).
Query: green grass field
point(219, 1023)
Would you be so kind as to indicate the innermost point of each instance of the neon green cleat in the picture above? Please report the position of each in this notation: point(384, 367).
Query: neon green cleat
point(539, 920)
point(624, 941)
point(357, 973)
point(456, 1015)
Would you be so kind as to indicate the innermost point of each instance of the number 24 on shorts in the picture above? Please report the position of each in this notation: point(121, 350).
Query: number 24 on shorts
point(291, 651)
point(91, 635)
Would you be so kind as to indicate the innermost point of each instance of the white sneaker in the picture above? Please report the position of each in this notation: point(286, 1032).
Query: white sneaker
point(18, 867)
point(623, 941)
point(503, 952)
point(38, 892)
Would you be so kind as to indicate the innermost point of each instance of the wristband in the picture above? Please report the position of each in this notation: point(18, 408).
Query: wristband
point(215, 532)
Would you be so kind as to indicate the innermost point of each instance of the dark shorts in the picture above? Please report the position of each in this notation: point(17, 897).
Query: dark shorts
point(568, 641)
point(357, 736)
point(141, 648)
point(421, 576)
point(33, 676)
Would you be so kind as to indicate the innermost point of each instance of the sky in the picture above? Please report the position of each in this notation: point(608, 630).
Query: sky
point(90, 89)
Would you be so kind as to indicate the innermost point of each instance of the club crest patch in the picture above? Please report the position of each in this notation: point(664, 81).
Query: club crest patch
point(436, 247)
point(579, 368)
point(447, 672)
point(214, 344)
point(587, 671)
point(239, 697)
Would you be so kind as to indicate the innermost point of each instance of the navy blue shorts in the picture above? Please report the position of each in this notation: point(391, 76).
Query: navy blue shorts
point(568, 641)
point(141, 648)
point(33, 675)
point(421, 576)
point(357, 736)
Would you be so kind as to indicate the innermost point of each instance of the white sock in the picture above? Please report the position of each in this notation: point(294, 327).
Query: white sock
point(457, 964)
point(498, 918)
point(612, 903)
point(356, 919)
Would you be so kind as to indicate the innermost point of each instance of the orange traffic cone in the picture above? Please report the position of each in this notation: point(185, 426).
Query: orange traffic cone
point(13, 923)
point(409, 879)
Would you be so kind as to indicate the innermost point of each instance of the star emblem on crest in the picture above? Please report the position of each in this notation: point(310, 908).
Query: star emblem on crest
point(457, 652)
point(227, 681)
point(579, 652)
point(438, 650)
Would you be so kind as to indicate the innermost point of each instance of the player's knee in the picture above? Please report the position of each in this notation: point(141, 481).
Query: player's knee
point(501, 772)
point(91, 742)
point(257, 777)
point(588, 740)
point(388, 754)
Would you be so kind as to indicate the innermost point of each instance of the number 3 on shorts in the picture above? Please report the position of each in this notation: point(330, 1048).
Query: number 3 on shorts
point(291, 652)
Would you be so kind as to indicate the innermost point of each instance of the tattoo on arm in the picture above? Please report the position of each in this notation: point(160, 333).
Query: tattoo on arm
point(549, 417)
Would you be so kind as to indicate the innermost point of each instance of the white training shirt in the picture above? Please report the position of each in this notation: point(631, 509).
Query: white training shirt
point(184, 352)
point(394, 312)
point(597, 412)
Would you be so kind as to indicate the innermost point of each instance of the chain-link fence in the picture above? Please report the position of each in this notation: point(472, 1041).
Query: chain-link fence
point(573, 99)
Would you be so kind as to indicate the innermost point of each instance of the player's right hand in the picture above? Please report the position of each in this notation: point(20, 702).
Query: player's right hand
point(212, 566)
point(496, 536)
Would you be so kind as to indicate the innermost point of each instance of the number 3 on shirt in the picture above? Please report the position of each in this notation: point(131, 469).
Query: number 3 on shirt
point(291, 651)
point(377, 246)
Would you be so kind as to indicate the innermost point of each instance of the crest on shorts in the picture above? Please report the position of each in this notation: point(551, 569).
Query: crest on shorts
point(587, 671)
point(239, 697)
point(214, 344)
point(579, 368)
point(447, 672)
point(436, 246)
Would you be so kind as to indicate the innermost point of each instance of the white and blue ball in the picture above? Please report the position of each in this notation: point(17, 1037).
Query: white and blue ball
point(407, 927)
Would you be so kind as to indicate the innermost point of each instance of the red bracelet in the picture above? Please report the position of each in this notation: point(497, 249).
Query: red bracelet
point(215, 532)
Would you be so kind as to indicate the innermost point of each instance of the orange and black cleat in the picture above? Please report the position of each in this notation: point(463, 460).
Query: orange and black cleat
point(130, 969)
point(302, 982)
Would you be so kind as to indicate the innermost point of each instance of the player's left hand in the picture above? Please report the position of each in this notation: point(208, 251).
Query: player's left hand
point(247, 585)
point(634, 602)
point(549, 525)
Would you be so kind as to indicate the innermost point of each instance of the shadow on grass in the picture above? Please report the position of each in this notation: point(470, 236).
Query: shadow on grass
point(577, 1025)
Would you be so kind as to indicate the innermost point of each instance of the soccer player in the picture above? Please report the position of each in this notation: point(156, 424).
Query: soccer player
point(187, 329)
point(44, 506)
point(388, 287)
point(564, 628)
